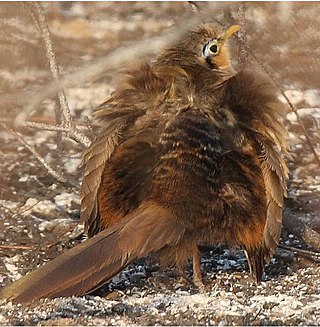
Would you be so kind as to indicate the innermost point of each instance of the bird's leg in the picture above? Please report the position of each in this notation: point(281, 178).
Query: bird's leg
point(197, 276)
point(181, 268)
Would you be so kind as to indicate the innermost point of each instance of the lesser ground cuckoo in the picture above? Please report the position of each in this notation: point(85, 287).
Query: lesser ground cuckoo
point(191, 153)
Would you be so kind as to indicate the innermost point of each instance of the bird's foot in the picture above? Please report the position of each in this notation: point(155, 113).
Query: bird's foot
point(198, 283)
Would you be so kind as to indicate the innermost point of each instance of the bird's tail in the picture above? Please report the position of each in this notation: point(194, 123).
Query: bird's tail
point(93, 262)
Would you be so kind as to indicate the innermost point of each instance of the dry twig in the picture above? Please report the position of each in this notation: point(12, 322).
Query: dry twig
point(67, 124)
point(314, 256)
point(243, 54)
point(71, 130)
point(41, 18)
point(296, 226)
point(15, 247)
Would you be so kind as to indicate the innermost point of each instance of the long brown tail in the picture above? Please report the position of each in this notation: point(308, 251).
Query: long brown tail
point(93, 262)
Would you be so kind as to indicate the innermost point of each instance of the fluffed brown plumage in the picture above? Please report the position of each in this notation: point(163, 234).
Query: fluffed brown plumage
point(190, 154)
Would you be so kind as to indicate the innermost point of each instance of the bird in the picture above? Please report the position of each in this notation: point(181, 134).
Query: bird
point(191, 152)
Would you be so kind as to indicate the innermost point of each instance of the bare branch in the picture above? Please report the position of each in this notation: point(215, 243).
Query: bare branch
point(298, 227)
point(67, 125)
point(15, 247)
point(71, 130)
point(58, 117)
point(52, 60)
point(89, 126)
point(243, 54)
point(315, 256)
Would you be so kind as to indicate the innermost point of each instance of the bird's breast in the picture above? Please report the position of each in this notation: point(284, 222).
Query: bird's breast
point(185, 177)
point(202, 175)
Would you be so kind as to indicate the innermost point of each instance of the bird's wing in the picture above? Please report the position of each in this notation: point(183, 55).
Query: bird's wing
point(94, 160)
point(137, 93)
point(275, 172)
point(259, 114)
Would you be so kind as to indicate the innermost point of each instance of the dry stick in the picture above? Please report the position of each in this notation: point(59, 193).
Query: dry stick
point(296, 226)
point(58, 117)
point(52, 61)
point(57, 110)
point(43, 247)
point(67, 125)
point(243, 54)
point(15, 247)
point(315, 256)
point(63, 240)
point(72, 132)
point(31, 13)
point(51, 170)
point(22, 209)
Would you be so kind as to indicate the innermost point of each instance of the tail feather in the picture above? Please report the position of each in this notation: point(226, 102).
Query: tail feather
point(93, 262)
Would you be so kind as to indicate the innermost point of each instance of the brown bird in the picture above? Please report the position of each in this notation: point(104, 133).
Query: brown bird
point(191, 154)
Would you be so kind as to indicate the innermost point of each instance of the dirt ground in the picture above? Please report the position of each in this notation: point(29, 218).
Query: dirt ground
point(39, 215)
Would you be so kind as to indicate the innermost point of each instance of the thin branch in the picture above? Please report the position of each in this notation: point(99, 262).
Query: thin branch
point(298, 227)
point(71, 131)
point(15, 247)
point(50, 169)
point(30, 9)
point(60, 241)
point(22, 208)
point(21, 211)
point(44, 247)
point(243, 54)
point(89, 126)
point(315, 256)
point(58, 116)
point(52, 60)
point(67, 125)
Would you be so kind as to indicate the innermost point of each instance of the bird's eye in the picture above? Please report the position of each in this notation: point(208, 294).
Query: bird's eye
point(211, 49)
point(214, 48)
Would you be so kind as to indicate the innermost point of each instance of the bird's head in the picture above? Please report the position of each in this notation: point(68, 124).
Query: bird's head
point(205, 46)
point(214, 44)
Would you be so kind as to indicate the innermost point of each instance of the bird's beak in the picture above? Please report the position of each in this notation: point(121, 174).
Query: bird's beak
point(231, 30)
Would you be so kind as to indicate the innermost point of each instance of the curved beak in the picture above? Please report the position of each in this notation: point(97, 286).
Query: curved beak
point(231, 30)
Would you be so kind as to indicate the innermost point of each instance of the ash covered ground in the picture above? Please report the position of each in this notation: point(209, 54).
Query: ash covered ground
point(39, 216)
